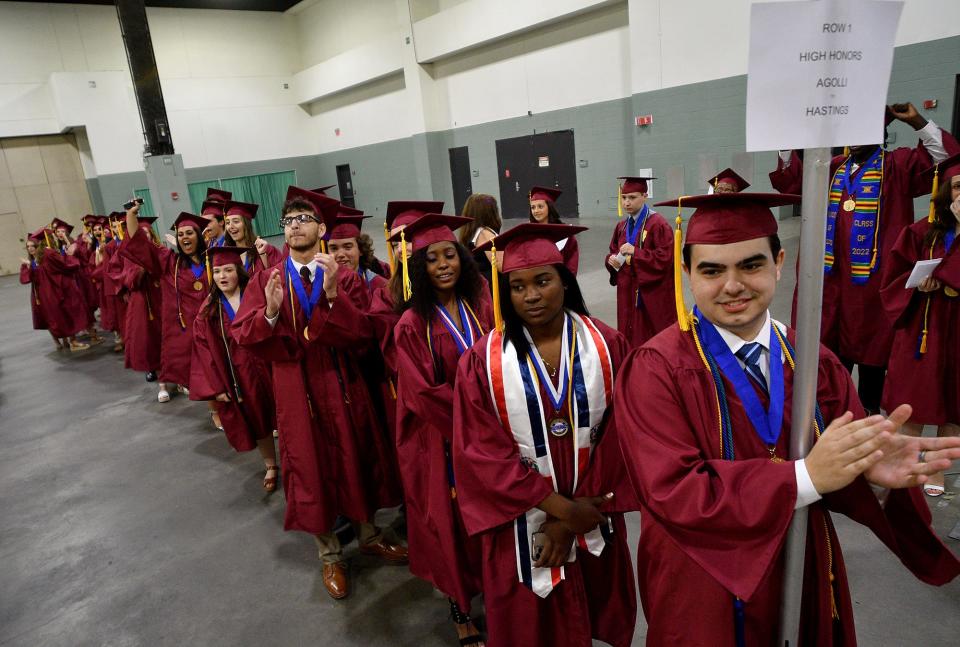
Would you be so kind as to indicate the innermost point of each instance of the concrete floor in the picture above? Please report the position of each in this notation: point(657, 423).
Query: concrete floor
point(128, 522)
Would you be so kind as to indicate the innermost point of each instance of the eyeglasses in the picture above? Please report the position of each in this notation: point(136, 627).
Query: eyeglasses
point(302, 218)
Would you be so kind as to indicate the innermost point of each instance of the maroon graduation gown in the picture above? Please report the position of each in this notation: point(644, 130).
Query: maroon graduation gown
point(929, 382)
point(61, 301)
point(333, 457)
point(105, 285)
point(712, 528)
point(249, 415)
point(27, 272)
point(84, 253)
point(115, 292)
point(645, 299)
point(440, 550)
point(256, 264)
point(853, 323)
point(181, 302)
point(598, 597)
point(571, 254)
point(142, 332)
point(384, 317)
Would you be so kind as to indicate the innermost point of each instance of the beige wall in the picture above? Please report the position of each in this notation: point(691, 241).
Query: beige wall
point(40, 178)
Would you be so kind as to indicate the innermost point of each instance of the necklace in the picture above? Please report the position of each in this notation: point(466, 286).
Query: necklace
point(550, 367)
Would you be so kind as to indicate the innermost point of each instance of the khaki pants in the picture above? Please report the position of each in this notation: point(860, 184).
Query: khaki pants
point(328, 544)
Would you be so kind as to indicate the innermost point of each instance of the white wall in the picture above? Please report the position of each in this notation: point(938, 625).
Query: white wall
point(330, 27)
point(222, 74)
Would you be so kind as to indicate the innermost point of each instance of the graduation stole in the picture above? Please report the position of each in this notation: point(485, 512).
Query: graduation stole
point(863, 203)
point(295, 285)
point(516, 396)
point(472, 330)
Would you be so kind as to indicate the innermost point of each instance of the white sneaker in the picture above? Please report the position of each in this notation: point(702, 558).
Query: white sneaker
point(163, 396)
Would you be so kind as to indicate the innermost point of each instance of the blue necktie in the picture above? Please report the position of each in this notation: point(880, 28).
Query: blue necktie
point(749, 354)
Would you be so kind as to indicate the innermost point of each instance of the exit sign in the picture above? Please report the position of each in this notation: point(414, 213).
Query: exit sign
point(644, 120)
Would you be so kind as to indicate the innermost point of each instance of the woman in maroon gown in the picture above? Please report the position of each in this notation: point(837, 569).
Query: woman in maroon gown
point(53, 277)
point(543, 209)
point(143, 303)
point(924, 368)
point(446, 313)
point(539, 472)
point(227, 374)
point(183, 281)
point(28, 268)
point(238, 224)
point(76, 249)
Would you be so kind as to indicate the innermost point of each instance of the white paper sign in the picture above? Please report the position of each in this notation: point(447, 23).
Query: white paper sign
point(922, 270)
point(819, 72)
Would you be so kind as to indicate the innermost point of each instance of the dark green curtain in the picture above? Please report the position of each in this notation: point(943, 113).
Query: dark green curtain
point(268, 190)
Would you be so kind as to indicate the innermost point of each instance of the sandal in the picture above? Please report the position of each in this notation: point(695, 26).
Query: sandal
point(163, 396)
point(76, 345)
point(933, 491)
point(270, 483)
point(461, 619)
point(216, 420)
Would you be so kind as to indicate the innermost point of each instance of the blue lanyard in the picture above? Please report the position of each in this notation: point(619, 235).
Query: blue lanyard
point(463, 340)
point(768, 424)
point(564, 380)
point(197, 270)
point(948, 239)
point(306, 304)
point(227, 307)
point(853, 186)
point(639, 221)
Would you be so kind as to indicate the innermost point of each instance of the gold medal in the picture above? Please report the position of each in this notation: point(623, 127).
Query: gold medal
point(197, 285)
point(949, 291)
point(306, 333)
point(849, 204)
point(558, 427)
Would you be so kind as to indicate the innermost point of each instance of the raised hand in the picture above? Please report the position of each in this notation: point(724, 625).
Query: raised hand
point(261, 245)
point(273, 294)
point(330, 268)
point(907, 113)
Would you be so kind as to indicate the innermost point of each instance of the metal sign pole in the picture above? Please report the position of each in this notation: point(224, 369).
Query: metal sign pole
point(816, 179)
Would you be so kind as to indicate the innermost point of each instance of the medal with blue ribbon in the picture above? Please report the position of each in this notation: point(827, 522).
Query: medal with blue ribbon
point(197, 270)
point(767, 423)
point(295, 283)
point(558, 426)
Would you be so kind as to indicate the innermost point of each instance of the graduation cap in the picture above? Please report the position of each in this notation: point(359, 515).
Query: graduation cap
point(89, 219)
point(103, 221)
point(56, 223)
point(730, 177)
point(225, 255)
point(212, 208)
point(348, 223)
point(218, 195)
point(550, 194)
point(946, 169)
point(246, 209)
point(186, 219)
point(323, 189)
point(403, 212)
point(634, 184)
point(40, 234)
point(721, 219)
point(421, 233)
point(324, 206)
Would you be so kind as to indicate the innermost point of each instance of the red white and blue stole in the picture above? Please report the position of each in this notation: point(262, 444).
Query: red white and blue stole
point(516, 396)
point(863, 204)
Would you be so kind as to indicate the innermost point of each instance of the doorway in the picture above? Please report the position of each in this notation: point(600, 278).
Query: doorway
point(544, 159)
point(345, 183)
point(460, 177)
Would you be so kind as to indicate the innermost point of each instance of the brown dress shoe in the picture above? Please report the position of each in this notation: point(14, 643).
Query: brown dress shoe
point(335, 579)
point(390, 552)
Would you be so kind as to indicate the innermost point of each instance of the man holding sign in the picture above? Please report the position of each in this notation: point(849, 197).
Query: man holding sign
point(870, 203)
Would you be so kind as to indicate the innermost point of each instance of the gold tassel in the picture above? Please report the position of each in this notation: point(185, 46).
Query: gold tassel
point(407, 289)
point(495, 278)
point(933, 191)
point(390, 254)
point(678, 273)
point(846, 151)
point(323, 246)
point(209, 271)
point(619, 201)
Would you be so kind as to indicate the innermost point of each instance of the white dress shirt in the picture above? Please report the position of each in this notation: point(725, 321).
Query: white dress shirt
point(806, 492)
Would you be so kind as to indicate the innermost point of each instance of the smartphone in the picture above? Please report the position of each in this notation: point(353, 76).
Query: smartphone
point(129, 205)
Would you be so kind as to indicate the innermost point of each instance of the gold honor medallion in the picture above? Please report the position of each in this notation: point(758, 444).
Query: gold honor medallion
point(773, 455)
point(197, 285)
point(849, 204)
point(949, 291)
point(559, 427)
point(306, 333)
